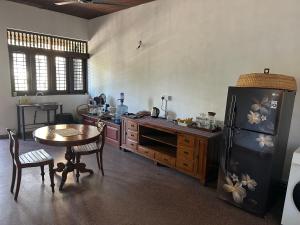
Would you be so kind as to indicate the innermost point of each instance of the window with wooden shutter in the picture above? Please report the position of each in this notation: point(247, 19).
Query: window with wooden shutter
point(41, 68)
point(20, 75)
point(78, 74)
point(51, 64)
point(61, 73)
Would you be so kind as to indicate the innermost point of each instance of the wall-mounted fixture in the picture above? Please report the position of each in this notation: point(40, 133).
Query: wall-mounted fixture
point(140, 45)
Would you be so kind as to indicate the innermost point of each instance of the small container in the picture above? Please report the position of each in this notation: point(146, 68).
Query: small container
point(211, 120)
point(202, 120)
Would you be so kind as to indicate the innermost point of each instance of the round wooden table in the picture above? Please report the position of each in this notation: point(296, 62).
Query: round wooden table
point(48, 136)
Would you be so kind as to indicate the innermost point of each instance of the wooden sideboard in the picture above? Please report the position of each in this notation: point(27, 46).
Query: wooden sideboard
point(112, 132)
point(188, 150)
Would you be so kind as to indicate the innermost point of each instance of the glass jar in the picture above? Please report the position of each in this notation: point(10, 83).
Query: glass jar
point(211, 120)
point(203, 120)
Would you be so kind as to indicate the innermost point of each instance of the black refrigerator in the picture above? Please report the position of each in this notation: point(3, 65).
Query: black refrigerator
point(256, 130)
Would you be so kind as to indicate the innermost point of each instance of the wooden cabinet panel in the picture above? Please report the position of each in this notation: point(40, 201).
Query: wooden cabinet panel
point(146, 152)
point(132, 125)
point(132, 145)
point(165, 159)
point(185, 153)
point(112, 132)
point(202, 159)
point(132, 135)
point(186, 140)
point(184, 164)
point(195, 151)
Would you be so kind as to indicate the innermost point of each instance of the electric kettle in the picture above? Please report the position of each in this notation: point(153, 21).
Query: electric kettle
point(155, 112)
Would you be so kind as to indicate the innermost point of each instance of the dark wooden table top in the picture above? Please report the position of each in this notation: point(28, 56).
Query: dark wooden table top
point(46, 135)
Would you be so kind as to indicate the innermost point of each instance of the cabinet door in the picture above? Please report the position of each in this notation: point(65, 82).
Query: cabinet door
point(202, 159)
point(124, 131)
point(112, 135)
point(88, 121)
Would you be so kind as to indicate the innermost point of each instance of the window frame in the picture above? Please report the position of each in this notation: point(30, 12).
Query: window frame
point(30, 53)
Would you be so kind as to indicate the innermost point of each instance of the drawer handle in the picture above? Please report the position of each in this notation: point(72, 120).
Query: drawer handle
point(146, 152)
point(186, 152)
point(132, 135)
point(132, 144)
point(132, 125)
point(185, 164)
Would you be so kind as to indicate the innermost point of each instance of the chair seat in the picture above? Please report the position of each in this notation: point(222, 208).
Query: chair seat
point(86, 148)
point(37, 156)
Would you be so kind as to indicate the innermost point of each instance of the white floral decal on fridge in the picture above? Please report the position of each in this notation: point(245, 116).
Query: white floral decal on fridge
point(265, 141)
point(239, 187)
point(259, 111)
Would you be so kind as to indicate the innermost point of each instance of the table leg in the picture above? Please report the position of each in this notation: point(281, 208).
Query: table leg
point(23, 124)
point(70, 166)
point(19, 122)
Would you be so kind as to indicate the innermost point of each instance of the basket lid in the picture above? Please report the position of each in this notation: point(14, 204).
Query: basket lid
point(267, 80)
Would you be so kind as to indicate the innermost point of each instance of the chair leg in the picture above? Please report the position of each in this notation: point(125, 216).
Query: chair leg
point(51, 173)
point(98, 160)
point(19, 176)
point(43, 173)
point(101, 160)
point(13, 179)
point(77, 170)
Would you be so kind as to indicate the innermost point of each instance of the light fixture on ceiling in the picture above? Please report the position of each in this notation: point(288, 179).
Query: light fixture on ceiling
point(103, 2)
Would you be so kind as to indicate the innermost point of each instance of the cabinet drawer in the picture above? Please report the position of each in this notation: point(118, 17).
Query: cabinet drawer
point(132, 145)
point(146, 152)
point(132, 135)
point(185, 153)
point(186, 140)
point(185, 164)
point(132, 126)
point(165, 159)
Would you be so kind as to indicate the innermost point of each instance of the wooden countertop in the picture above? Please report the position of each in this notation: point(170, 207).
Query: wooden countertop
point(110, 121)
point(164, 124)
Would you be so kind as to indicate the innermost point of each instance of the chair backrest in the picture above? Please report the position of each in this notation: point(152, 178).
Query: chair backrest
point(13, 146)
point(101, 128)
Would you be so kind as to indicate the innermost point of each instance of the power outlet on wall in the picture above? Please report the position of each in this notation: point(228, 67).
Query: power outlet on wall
point(167, 97)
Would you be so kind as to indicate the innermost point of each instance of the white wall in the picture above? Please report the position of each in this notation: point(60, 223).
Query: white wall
point(193, 50)
point(27, 18)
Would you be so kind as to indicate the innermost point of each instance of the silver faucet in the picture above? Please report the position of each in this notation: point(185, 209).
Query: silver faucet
point(39, 93)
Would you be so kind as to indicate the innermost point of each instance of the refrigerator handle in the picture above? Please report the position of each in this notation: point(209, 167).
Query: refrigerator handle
point(231, 116)
point(228, 149)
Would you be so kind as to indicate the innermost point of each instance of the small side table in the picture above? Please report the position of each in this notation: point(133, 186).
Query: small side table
point(21, 115)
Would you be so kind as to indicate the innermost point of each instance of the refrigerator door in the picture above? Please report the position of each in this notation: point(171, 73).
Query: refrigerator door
point(245, 181)
point(253, 109)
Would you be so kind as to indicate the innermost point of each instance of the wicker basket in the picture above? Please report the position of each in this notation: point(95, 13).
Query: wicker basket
point(267, 80)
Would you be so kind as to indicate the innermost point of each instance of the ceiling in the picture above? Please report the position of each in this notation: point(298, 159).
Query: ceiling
point(87, 10)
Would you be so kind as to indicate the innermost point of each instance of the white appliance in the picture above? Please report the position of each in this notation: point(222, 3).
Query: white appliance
point(291, 211)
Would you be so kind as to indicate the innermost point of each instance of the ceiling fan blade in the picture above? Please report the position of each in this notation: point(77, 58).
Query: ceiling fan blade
point(107, 3)
point(65, 3)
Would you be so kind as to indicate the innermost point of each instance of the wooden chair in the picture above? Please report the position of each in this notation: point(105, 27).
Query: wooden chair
point(92, 148)
point(38, 158)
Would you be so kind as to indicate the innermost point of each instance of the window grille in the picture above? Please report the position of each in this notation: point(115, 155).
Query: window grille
point(42, 41)
point(51, 64)
point(78, 74)
point(41, 68)
point(20, 71)
point(61, 74)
